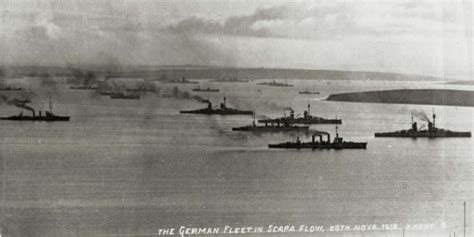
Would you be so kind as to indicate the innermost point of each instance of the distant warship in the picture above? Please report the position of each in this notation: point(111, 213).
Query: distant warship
point(89, 87)
point(431, 132)
point(124, 96)
point(143, 88)
point(47, 117)
point(183, 80)
point(274, 83)
point(222, 110)
point(309, 92)
point(198, 89)
point(230, 79)
point(151, 90)
point(9, 88)
point(285, 127)
point(337, 143)
point(306, 119)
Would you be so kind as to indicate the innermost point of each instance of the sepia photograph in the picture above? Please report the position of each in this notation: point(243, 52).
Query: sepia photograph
point(242, 118)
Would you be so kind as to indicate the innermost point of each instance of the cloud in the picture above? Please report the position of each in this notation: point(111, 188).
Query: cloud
point(235, 25)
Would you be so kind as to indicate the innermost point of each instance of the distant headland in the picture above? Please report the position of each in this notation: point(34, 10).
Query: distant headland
point(168, 72)
point(409, 96)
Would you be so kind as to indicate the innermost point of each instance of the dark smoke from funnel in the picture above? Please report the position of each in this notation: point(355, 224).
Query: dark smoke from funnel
point(177, 94)
point(420, 114)
point(316, 132)
point(16, 102)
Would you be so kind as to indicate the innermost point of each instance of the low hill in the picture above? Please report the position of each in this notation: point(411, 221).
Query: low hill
point(407, 96)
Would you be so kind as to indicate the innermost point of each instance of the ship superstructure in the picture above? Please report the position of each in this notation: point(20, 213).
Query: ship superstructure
point(275, 83)
point(337, 143)
point(306, 119)
point(272, 127)
point(199, 89)
point(221, 110)
point(183, 80)
point(308, 92)
point(230, 79)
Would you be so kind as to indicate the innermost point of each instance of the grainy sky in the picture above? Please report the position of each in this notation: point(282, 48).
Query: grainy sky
point(427, 37)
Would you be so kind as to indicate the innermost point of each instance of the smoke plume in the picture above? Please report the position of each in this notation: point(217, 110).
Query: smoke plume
point(16, 102)
point(420, 114)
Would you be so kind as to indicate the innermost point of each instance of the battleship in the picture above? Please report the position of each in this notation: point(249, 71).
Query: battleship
point(309, 92)
point(198, 89)
point(222, 110)
point(271, 128)
point(183, 80)
point(431, 132)
point(337, 143)
point(306, 119)
point(274, 83)
point(47, 117)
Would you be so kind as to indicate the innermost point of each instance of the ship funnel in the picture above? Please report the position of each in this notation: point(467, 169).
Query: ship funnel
point(434, 119)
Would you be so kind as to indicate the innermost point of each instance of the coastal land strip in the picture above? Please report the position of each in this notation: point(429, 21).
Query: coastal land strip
point(409, 96)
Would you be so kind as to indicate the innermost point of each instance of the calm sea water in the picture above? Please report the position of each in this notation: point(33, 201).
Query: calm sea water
point(131, 167)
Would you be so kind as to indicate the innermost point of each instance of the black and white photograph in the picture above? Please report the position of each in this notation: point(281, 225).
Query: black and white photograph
point(244, 118)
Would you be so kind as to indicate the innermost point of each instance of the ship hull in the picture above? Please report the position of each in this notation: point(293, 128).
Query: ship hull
point(205, 90)
point(270, 129)
point(303, 121)
point(429, 135)
point(124, 97)
point(215, 112)
point(180, 82)
point(231, 81)
point(83, 88)
point(318, 145)
point(40, 119)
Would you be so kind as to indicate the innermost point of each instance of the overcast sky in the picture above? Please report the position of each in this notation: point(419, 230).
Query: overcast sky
point(426, 37)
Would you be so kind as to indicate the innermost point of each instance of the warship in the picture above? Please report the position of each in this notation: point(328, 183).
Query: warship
point(222, 110)
point(138, 90)
point(9, 88)
point(274, 83)
point(431, 132)
point(230, 79)
point(47, 117)
point(306, 119)
point(198, 89)
point(183, 80)
point(143, 88)
point(124, 96)
point(309, 92)
point(285, 127)
point(337, 143)
point(89, 87)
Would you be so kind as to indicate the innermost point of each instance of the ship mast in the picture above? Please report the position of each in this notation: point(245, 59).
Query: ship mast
point(309, 107)
point(50, 105)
